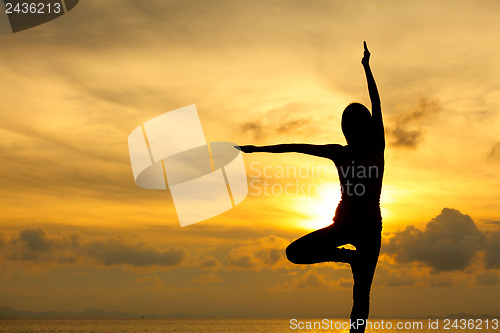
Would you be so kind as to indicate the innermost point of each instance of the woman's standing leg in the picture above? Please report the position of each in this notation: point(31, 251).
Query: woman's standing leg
point(363, 269)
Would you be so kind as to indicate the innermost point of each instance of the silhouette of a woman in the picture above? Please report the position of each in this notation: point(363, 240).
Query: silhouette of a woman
point(357, 220)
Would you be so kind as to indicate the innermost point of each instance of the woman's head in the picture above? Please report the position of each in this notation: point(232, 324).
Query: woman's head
point(357, 124)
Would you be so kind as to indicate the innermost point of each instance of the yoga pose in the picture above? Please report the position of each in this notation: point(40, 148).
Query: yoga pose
point(357, 220)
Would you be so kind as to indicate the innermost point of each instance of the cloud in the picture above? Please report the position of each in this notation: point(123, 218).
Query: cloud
point(36, 245)
point(488, 279)
point(494, 153)
point(117, 252)
point(263, 253)
point(440, 283)
point(387, 277)
point(405, 130)
point(35, 239)
point(492, 248)
point(209, 262)
point(491, 222)
point(311, 280)
point(448, 242)
point(41, 163)
point(282, 120)
point(207, 278)
point(255, 128)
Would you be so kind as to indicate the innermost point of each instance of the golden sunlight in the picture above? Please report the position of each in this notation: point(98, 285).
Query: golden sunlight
point(319, 208)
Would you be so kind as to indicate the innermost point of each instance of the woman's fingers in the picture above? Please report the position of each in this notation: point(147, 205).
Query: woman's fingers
point(245, 149)
point(366, 55)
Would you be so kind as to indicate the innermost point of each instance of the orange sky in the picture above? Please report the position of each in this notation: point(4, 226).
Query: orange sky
point(77, 232)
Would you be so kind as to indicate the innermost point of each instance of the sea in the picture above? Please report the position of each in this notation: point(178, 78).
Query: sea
point(242, 325)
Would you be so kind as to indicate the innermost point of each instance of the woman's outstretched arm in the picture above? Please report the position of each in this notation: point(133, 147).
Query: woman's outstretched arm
point(374, 97)
point(327, 151)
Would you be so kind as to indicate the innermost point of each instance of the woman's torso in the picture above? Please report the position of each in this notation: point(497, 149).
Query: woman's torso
point(360, 174)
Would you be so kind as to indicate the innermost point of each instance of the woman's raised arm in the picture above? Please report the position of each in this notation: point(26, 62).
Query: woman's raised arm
point(374, 97)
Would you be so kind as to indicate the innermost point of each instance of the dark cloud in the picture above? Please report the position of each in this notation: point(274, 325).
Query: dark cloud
point(255, 128)
point(403, 137)
point(282, 120)
point(116, 252)
point(492, 248)
point(405, 130)
point(448, 242)
point(488, 279)
point(34, 244)
point(494, 153)
point(491, 222)
point(35, 239)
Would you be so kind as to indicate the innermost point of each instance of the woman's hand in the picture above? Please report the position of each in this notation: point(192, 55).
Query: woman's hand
point(366, 56)
point(247, 148)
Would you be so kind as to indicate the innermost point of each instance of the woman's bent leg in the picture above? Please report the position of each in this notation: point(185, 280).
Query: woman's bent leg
point(319, 246)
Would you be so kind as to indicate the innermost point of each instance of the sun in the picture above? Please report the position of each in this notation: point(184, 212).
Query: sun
point(320, 208)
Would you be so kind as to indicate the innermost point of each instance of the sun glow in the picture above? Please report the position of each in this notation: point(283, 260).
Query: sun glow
point(320, 209)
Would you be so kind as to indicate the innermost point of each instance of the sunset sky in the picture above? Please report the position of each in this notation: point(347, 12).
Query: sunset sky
point(76, 231)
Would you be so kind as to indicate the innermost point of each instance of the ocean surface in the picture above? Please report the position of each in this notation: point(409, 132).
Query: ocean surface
point(236, 325)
